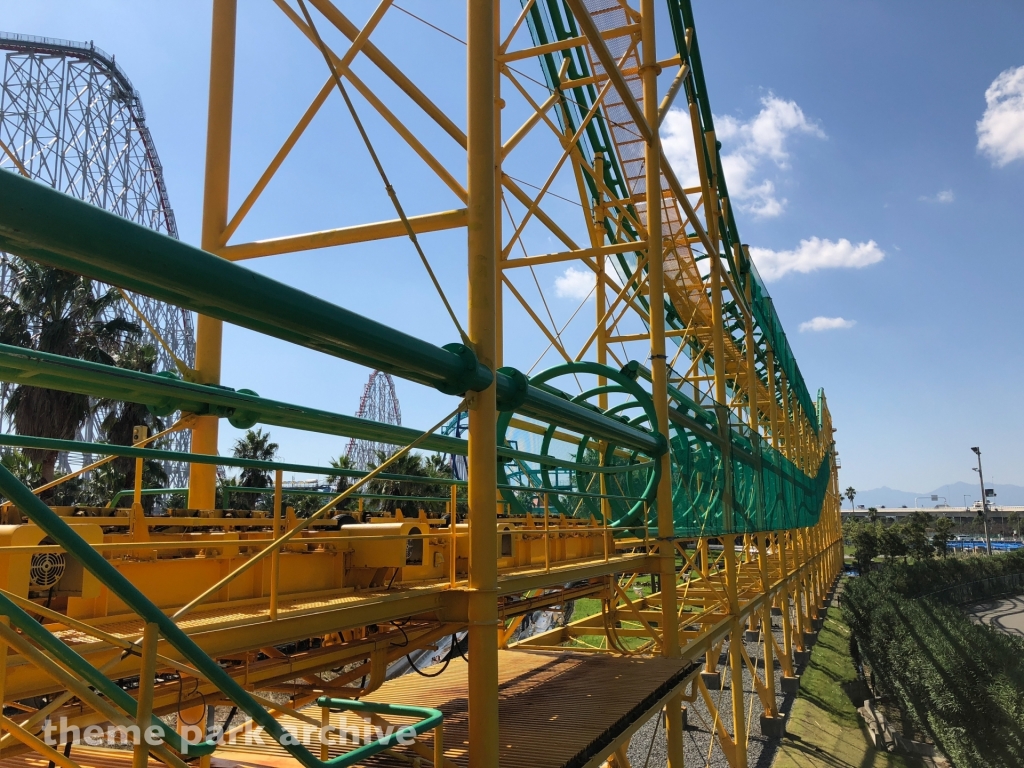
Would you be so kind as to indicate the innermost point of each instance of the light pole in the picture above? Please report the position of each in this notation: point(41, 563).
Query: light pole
point(984, 501)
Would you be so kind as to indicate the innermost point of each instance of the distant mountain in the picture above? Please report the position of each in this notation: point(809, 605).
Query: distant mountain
point(882, 497)
point(1008, 495)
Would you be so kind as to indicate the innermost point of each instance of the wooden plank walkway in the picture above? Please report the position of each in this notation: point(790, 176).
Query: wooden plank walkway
point(556, 710)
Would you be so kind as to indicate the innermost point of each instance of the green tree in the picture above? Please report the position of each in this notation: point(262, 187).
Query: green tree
point(102, 485)
point(943, 534)
point(62, 313)
point(1014, 521)
point(873, 514)
point(851, 494)
point(254, 444)
point(914, 535)
point(341, 483)
point(418, 466)
point(891, 543)
point(224, 497)
point(122, 418)
point(865, 545)
point(17, 462)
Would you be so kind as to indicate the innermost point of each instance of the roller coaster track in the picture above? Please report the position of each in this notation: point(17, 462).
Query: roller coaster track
point(716, 475)
point(71, 118)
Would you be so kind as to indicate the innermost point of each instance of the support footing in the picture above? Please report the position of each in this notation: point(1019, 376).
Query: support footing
point(791, 685)
point(751, 635)
point(712, 680)
point(773, 727)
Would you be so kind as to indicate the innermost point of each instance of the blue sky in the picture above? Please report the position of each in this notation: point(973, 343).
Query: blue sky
point(852, 143)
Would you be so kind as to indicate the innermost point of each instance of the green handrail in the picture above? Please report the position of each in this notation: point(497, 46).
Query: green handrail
point(431, 718)
point(79, 666)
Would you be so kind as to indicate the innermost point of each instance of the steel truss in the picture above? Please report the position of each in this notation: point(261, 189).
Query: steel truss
point(70, 118)
point(741, 511)
point(379, 403)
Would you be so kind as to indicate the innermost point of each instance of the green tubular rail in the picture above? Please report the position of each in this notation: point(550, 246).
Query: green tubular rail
point(44, 225)
point(430, 719)
point(64, 535)
point(157, 454)
point(164, 395)
point(71, 660)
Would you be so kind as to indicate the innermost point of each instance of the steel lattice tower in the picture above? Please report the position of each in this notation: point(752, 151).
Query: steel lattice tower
point(379, 403)
point(69, 117)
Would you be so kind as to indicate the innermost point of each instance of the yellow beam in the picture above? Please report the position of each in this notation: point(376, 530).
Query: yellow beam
point(582, 253)
point(360, 233)
point(562, 45)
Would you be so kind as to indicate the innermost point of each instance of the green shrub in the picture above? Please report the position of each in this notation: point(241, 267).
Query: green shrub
point(962, 682)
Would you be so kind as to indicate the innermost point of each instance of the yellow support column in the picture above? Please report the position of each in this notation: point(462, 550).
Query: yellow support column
point(787, 628)
point(3, 666)
point(275, 556)
point(798, 592)
point(144, 713)
point(773, 415)
point(483, 247)
point(659, 373)
point(766, 625)
point(209, 332)
point(787, 420)
point(739, 722)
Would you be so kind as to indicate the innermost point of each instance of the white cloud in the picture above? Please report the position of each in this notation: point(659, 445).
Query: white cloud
point(746, 146)
point(826, 324)
point(575, 284)
point(1001, 128)
point(814, 254)
point(945, 196)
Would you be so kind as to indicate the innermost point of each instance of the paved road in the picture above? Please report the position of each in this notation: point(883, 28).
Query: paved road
point(1006, 614)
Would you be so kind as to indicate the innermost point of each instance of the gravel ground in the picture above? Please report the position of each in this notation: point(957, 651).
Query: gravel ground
point(647, 749)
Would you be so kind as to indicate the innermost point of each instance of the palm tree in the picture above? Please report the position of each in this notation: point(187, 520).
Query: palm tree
point(411, 464)
point(255, 444)
point(18, 464)
point(54, 311)
point(851, 493)
point(341, 483)
point(122, 418)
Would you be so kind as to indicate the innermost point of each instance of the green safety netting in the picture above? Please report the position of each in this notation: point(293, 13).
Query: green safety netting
point(768, 491)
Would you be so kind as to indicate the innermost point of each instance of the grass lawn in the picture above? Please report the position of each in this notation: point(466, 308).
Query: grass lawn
point(824, 728)
point(588, 606)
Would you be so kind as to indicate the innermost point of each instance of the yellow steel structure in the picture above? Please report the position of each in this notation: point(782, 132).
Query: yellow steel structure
point(369, 593)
